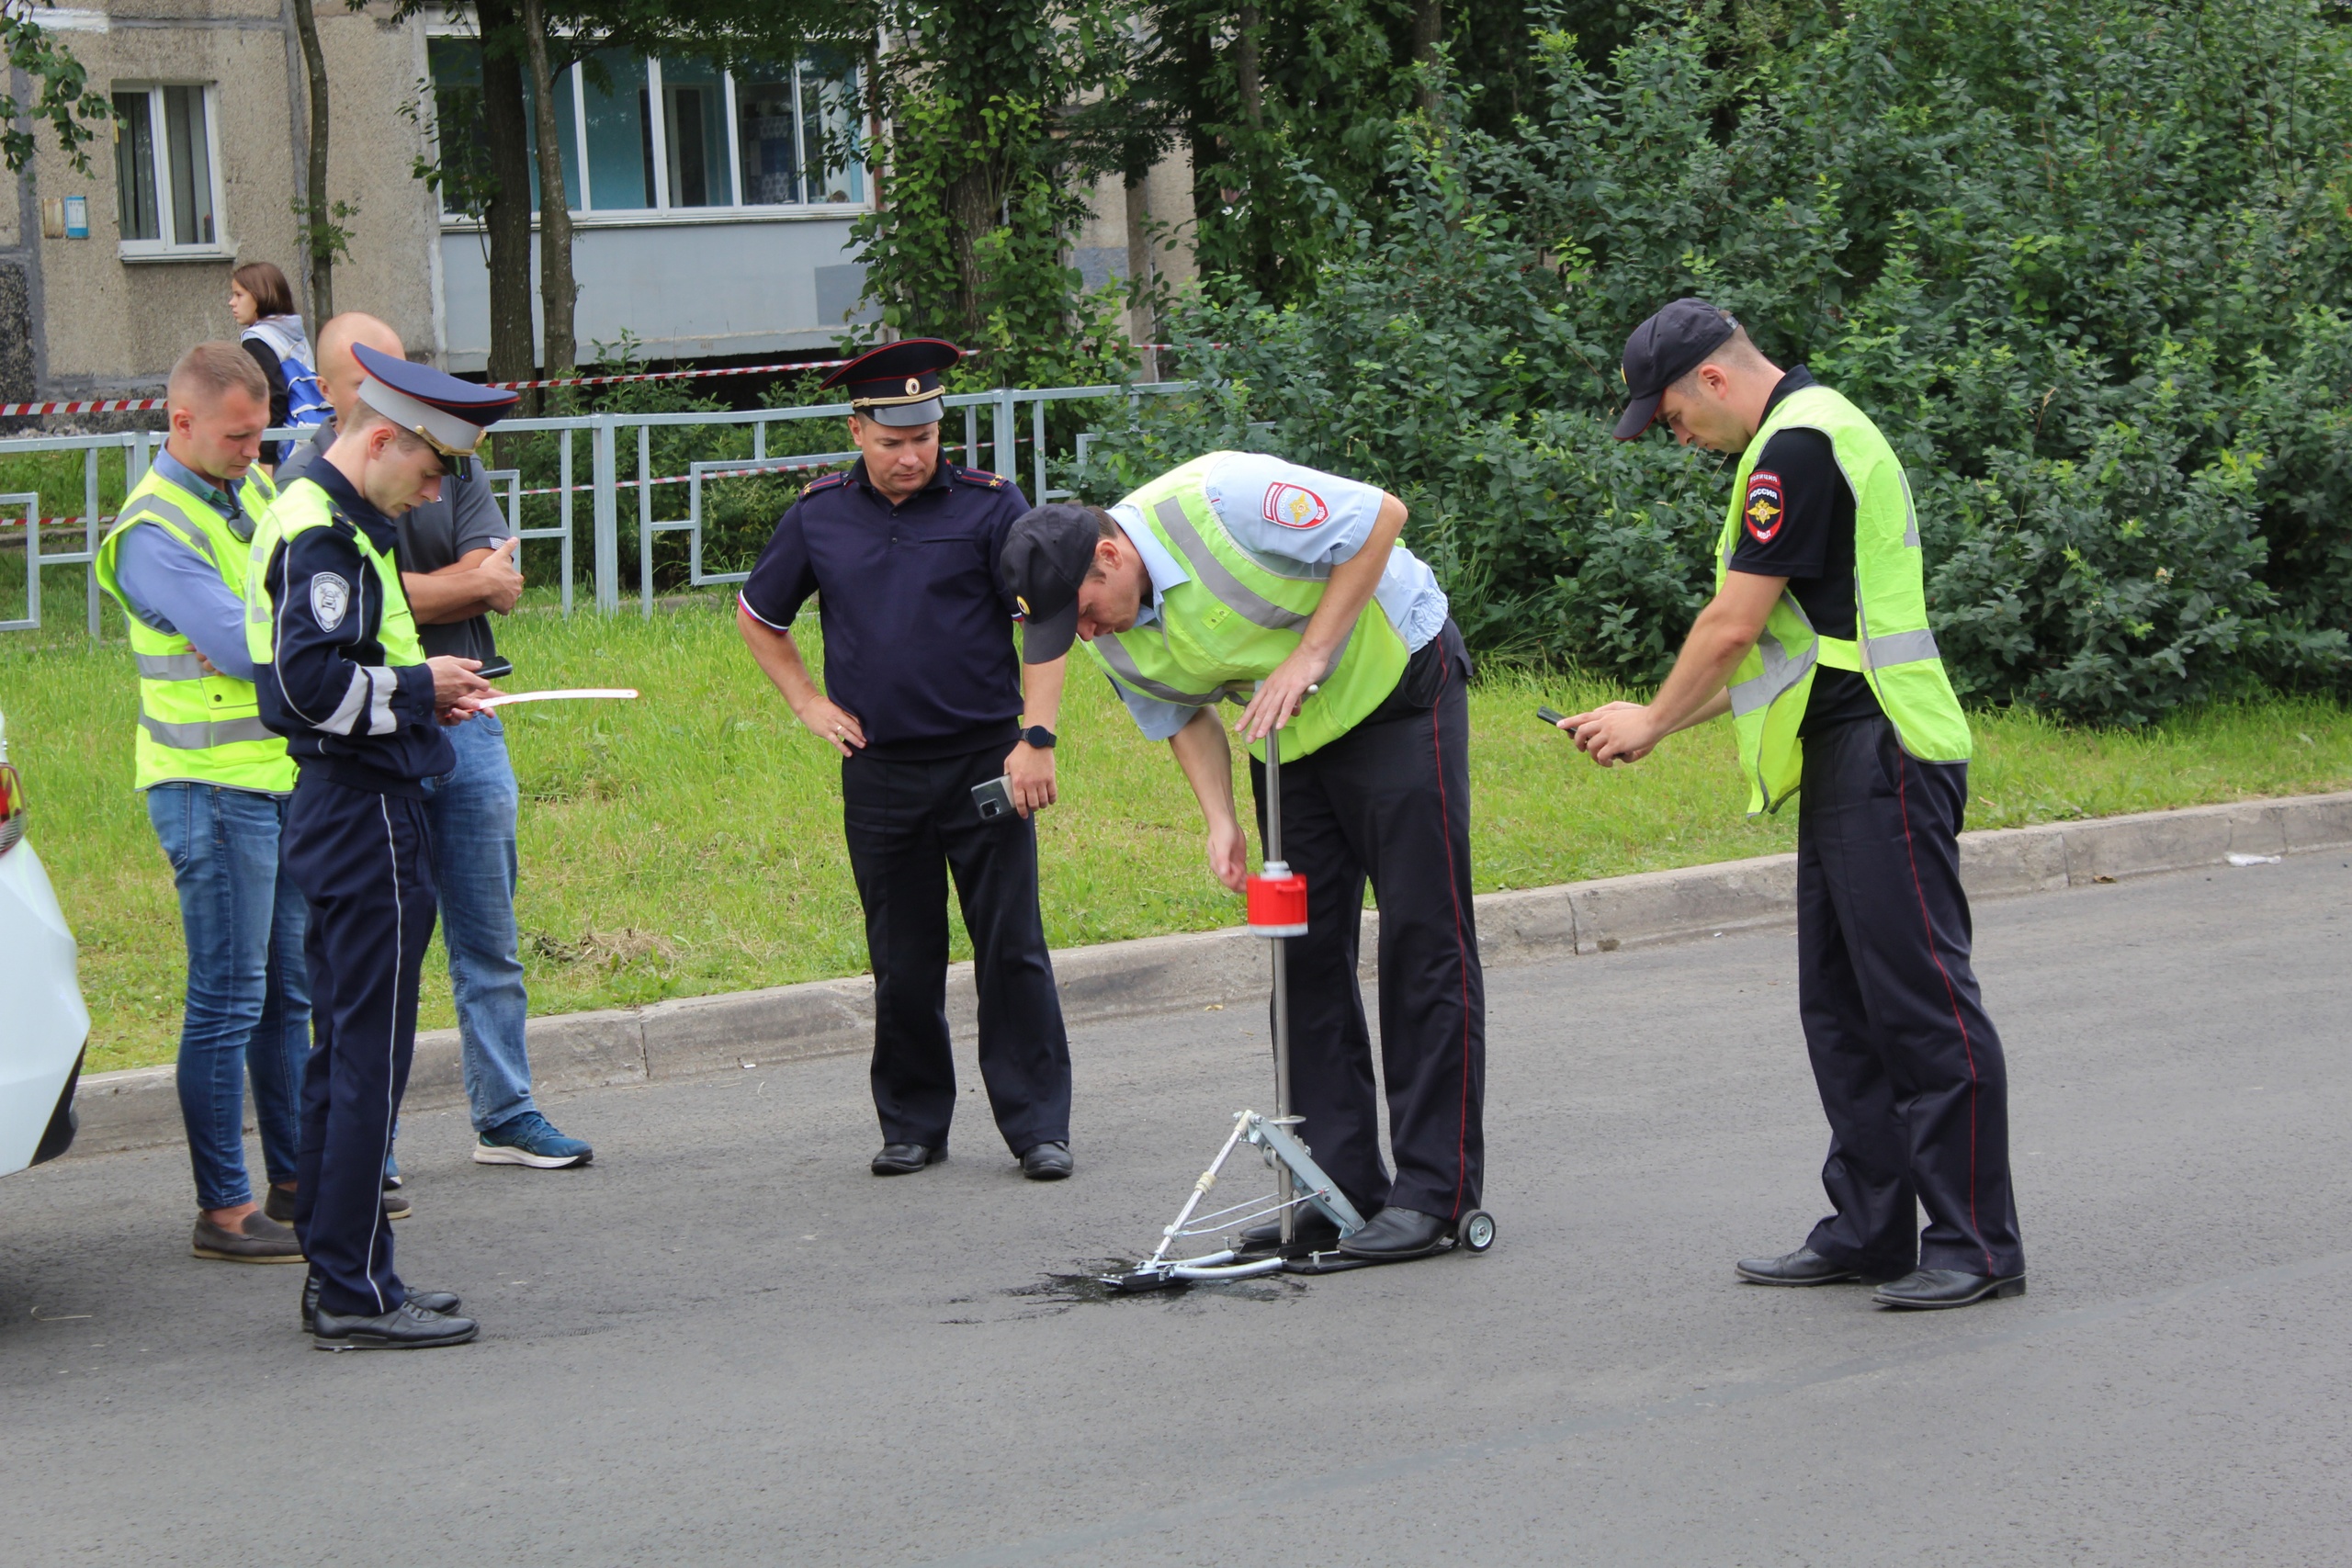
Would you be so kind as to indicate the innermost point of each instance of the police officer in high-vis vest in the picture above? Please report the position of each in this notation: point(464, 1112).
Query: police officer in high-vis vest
point(1817, 644)
point(1241, 575)
point(341, 676)
point(217, 781)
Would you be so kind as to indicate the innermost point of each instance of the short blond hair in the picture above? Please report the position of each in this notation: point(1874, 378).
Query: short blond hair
point(210, 370)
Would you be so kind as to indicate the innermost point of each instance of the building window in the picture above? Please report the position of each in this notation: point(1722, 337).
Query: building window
point(167, 188)
point(673, 134)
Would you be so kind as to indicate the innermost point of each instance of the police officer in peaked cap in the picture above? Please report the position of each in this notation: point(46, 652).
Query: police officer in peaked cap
point(341, 674)
point(1817, 644)
point(925, 698)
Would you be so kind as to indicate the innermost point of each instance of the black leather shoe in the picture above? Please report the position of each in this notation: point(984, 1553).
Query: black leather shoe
point(1311, 1231)
point(443, 1302)
point(1394, 1234)
point(1803, 1266)
point(407, 1327)
point(1930, 1290)
point(905, 1159)
point(1048, 1162)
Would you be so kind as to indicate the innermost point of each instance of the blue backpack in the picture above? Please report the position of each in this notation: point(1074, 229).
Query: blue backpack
point(306, 400)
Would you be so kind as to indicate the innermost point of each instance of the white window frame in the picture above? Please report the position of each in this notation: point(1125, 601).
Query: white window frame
point(589, 216)
point(164, 249)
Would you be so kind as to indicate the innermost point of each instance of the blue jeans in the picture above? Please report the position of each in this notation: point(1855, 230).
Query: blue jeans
point(248, 987)
point(471, 810)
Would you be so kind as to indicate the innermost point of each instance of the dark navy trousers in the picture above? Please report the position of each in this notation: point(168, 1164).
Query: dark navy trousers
point(1389, 803)
point(364, 863)
point(1909, 1065)
point(910, 825)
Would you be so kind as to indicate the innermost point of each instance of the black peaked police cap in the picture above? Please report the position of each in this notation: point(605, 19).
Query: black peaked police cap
point(1047, 553)
point(1663, 350)
point(897, 384)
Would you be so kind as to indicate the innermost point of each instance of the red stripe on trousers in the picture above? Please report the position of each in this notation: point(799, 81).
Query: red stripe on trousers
point(1445, 814)
point(1926, 924)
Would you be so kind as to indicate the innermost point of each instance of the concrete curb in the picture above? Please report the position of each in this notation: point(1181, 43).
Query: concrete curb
point(705, 1034)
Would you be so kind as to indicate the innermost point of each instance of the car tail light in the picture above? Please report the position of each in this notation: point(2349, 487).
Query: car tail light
point(12, 809)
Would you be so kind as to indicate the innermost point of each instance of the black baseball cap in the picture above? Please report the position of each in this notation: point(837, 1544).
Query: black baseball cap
point(1047, 553)
point(1663, 350)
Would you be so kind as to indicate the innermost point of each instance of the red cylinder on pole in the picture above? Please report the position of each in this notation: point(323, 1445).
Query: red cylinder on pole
point(1278, 905)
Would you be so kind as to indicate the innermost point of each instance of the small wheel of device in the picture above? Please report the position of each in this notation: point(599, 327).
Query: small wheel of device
point(1477, 1230)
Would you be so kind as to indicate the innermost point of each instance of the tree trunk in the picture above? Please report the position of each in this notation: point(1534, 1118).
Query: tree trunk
point(317, 236)
point(558, 292)
point(1429, 31)
point(506, 217)
point(1200, 62)
point(1141, 320)
point(1245, 68)
point(975, 206)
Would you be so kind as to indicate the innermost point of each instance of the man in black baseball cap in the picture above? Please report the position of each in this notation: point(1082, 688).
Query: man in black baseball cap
point(1817, 644)
point(1241, 577)
point(1663, 350)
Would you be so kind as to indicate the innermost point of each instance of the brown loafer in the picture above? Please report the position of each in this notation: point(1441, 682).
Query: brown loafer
point(257, 1239)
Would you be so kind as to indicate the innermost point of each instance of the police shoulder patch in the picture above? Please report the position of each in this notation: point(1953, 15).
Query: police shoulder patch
point(329, 600)
point(1763, 508)
point(1294, 507)
point(981, 477)
point(829, 482)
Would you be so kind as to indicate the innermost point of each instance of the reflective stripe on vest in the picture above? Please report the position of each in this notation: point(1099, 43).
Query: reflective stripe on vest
point(1773, 682)
point(1218, 577)
point(170, 666)
point(193, 727)
point(203, 736)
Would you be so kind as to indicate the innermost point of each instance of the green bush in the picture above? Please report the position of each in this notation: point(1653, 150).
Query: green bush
point(2081, 261)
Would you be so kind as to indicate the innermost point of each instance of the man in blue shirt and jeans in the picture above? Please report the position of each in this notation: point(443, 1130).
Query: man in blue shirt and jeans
point(216, 792)
point(457, 565)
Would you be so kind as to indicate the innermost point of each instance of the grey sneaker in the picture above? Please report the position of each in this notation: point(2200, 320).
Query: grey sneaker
point(396, 1204)
point(257, 1239)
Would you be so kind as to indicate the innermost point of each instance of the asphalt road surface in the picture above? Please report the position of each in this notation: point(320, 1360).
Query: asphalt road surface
point(727, 1343)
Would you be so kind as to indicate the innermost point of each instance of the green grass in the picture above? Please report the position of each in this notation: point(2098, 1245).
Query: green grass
point(690, 842)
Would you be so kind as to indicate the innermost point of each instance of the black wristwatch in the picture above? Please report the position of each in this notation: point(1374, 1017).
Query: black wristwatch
point(1037, 735)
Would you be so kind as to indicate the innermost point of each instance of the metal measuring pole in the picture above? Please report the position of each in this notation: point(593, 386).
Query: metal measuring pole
point(1277, 866)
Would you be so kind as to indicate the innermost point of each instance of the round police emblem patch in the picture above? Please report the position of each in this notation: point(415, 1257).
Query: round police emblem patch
point(1763, 510)
point(914, 385)
point(330, 599)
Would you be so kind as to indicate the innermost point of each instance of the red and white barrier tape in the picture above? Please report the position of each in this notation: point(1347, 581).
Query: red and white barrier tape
point(687, 479)
point(672, 375)
point(143, 405)
point(101, 405)
point(19, 521)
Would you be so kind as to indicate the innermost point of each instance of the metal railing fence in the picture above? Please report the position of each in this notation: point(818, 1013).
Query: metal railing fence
point(604, 434)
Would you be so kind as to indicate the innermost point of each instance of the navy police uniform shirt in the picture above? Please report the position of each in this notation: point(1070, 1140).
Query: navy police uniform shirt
point(1798, 523)
point(919, 632)
point(343, 711)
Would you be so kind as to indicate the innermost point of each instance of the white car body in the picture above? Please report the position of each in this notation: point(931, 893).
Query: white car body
point(43, 1024)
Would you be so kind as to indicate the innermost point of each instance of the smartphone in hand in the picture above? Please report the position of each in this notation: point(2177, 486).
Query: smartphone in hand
point(1550, 716)
point(994, 799)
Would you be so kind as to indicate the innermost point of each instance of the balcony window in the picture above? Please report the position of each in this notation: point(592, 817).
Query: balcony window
point(694, 125)
point(649, 136)
point(166, 189)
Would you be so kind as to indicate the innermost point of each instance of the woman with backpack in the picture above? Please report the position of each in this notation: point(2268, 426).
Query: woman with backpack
point(262, 302)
